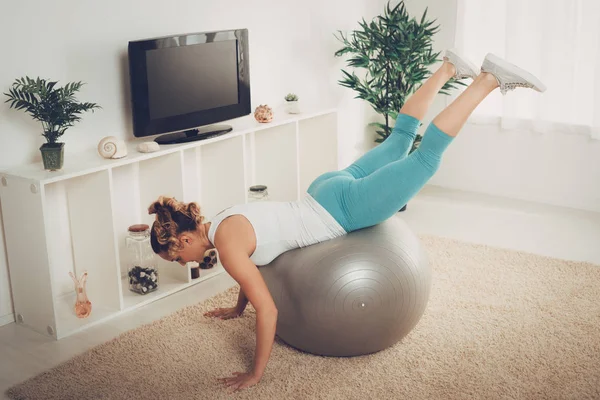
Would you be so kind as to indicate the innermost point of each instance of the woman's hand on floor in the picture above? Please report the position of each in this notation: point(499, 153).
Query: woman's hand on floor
point(224, 313)
point(240, 380)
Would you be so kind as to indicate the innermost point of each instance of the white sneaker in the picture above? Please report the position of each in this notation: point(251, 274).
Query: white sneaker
point(509, 76)
point(464, 67)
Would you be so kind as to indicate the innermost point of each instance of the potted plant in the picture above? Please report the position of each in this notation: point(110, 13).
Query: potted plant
point(292, 105)
point(394, 51)
point(55, 107)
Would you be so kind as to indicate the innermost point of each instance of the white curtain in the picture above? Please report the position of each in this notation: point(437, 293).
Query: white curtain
point(558, 41)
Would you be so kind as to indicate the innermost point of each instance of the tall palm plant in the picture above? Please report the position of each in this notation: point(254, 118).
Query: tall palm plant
point(395, 52)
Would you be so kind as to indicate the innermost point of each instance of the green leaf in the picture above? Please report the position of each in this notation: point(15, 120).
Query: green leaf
point(424, 16)
point(394, 51)
point(55, 107)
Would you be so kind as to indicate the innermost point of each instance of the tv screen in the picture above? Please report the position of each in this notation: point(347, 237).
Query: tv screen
point(183, 82)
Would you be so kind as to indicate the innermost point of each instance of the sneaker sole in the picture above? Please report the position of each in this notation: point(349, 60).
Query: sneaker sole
point(457, 54)
point(512, 68)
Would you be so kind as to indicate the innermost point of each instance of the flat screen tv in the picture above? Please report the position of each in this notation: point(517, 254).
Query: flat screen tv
point(181, 83)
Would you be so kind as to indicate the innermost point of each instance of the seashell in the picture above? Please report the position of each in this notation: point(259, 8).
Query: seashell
point(148, 147)
point(263, 113)
point(112, 147)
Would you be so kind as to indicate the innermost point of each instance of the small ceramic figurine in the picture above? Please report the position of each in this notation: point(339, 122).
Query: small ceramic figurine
point(112, 147)
point(263, 113)
point(83, 306)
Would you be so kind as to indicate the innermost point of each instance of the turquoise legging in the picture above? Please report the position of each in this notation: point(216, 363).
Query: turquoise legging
point(384, 179)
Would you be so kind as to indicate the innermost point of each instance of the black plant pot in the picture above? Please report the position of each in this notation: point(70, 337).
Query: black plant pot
point(403, 208)
point(53, 155)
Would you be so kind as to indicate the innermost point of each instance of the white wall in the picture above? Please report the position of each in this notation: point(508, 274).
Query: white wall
point(291, 49)
point(444, 12)
point(552, 168)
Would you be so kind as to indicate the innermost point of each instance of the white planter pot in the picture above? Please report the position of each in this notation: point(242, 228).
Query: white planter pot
point(292, 107)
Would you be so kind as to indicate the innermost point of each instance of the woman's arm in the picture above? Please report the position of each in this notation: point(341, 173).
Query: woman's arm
point(237, 263)
point(239, 266)
point(242, 302)
point(236, 241)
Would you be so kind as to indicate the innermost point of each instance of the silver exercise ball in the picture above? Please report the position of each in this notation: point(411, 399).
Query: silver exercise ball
point(353, 295)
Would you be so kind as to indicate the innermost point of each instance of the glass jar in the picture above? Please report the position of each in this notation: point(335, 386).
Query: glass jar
point(258, 193)
point(142, 268)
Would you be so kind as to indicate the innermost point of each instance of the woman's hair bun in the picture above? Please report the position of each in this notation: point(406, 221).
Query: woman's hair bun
point(172, 218)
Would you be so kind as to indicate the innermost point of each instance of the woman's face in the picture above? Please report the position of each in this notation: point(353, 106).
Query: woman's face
point(192, 250)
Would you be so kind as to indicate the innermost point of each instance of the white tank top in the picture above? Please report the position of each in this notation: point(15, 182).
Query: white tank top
point(282, 226)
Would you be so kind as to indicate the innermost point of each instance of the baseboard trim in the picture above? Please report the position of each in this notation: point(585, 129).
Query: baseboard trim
point(551, 231)
point(7, 319)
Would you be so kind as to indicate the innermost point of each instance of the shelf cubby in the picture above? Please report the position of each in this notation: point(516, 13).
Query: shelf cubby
point(161, 176)
point(127, 210)
point(275, 161)
point(76, 219)
point(222, 177)
point(318, 148)
point(93, 237)
point(60, 248)
point(191, 174)
point(26, 234)
point(79, 214)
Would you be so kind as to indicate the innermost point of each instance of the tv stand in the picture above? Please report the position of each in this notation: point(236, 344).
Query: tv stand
point(191, 135)
point(286, 155)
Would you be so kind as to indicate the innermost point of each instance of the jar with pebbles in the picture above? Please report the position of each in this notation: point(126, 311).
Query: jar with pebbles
point(142, 267)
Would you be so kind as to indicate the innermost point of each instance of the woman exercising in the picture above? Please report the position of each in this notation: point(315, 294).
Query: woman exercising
point(364, 194)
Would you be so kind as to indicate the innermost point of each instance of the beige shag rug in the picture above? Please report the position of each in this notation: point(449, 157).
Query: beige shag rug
point(499, 325)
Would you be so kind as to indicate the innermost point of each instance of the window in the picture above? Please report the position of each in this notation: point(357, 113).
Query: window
point(556, 40)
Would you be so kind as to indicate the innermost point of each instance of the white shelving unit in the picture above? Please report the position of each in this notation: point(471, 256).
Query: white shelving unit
point(76, 219)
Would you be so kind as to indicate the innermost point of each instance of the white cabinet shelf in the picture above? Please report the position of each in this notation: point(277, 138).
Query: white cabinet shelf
point(76, 219)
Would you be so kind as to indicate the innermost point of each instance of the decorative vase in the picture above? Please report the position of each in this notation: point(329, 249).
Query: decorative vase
point(53, 155)
point(292, 107)
point(83, 306)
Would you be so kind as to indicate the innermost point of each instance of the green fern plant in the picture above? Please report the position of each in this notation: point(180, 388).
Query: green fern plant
point(55, 107)
point(394, 51)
